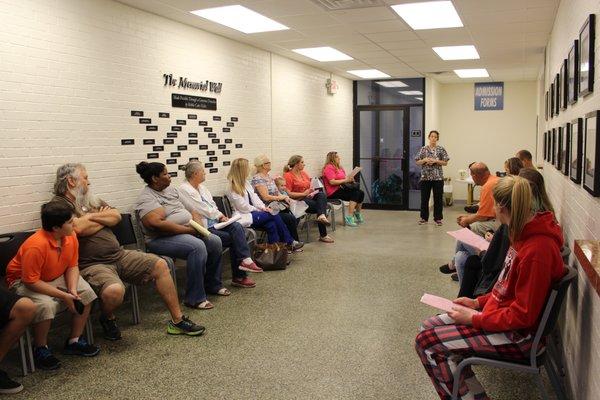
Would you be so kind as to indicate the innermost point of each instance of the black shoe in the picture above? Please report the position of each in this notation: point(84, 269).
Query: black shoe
point(472, 209)
point(454, 277)
point(7, 385)
point(185, 327)
point(81, 348)
point(445, 269)
point(44, 359)
point(110, 328)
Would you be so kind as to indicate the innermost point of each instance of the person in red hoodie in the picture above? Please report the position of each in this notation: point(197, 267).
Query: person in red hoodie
point(503, 322)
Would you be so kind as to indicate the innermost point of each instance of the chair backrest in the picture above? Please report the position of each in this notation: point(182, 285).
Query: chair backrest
point(552, 309)
point(564, 253)
point(227, 210)
point(220, 202)
point(124, 231)
point(9, 245)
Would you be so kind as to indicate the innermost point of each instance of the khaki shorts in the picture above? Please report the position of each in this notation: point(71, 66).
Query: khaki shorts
point(48, 306)
point(133, 267)
point(480, 227)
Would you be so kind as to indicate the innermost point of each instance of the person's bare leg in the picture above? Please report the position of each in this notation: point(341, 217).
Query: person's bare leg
point(111, 299)
point(40, 333)
point(166, 288)
point(78, 322)
point(351, 207)
point(20, 317)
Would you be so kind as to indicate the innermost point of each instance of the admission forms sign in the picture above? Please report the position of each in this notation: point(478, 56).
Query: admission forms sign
point(489, 96)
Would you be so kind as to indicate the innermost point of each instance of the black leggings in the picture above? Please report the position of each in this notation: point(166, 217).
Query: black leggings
point(348, 194)
point(318, 205)
point(471, 276)
point(290, 222)
point(438, 199)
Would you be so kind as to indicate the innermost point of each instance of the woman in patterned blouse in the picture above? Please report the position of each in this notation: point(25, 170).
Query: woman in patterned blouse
point(431, 158)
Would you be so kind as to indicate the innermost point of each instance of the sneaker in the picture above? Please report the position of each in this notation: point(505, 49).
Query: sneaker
point(296, 245)
point(243, 282)
point(438, 222)
point(44, 359)
point(349, 221)
point(359, 218)
point(422, 222)
point(326, 239)
point(7, 385)
point(445, 269)
point(252, 267)
point(81, 348)
point(454, 277)
point(110, 328)
point(185, 327)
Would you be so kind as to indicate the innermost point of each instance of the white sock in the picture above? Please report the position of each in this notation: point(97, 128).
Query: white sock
point(73, 340)
point(247, 261)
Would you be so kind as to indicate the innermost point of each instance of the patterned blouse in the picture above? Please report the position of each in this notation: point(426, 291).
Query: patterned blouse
point(269, 182)
point(432, 172)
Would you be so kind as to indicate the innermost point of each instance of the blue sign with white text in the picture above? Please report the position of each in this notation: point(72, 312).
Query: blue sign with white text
point(489, 96)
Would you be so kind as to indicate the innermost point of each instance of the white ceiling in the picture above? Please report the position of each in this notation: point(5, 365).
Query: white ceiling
point(509, 35)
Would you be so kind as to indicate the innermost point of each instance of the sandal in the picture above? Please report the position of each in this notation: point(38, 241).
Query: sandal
point(323, 220)
point(203, 305)
point(223, 292)
point(326, 239)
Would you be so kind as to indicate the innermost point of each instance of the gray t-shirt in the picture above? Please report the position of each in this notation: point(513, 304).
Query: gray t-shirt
point(149, 199)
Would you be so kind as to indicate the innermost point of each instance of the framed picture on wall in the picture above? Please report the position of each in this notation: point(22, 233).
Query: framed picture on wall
point(559, 136)
point(576, 147)
point(546, 106)
point(591, 179)
point(573, 72)
point(586, 56)
point(553, 147)
point(564, 85)
point(563, 158)
point(545, 146)
point(552, 101)
point(549, 147)
point(557, 94)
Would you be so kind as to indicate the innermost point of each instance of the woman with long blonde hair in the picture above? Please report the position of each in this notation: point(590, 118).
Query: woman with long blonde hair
point(503, 321)
point(252, 210)
point(339, 186)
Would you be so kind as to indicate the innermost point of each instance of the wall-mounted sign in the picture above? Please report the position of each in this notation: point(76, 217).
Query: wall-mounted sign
point(226, 163)
point(210, 153)
point(181, 167)
point(234, 119)
point(182, 147)
point(171, 161)
point(187, 101)
point(238, 146)
point(202, 123)
point(125, 142)
point(148, 141)
point(226, 151)
point(175, 154)
point(172, 134)
point(193, 158)
point(192, 116)
point(203, 147)
point(158, 148)
point(226, 129)
point(228, 140)
point(184, 83)
point(216, 118)
point(489, 96)
point(151, 127)
point(168, 141)
point(230, 124)
point(208, 129)
point(173, 174)
point(193, 141)
point(212, 135)
point(208, 165)
point(176, 128)
point(222, 146)
point(152, 155)
point(212, 158)
point(213, 170)
point(145, 121)
point(181, 122)
point(137, 113)
point(192, 134)
point(216, 140)
point(163, 115)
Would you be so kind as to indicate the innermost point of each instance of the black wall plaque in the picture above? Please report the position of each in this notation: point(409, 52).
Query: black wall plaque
point(171, 134)
point(175, 154)
point(212, 135)
point(193, 158)
point(228, 140)
point(137, 113)
point(158, 148)
point(181, 122)
point(152, 155)
point(203, 123)
point(171, 161)
point(163, 115)
point(208, 165)
point(216, 118)
point(226, 129)
point(213, 170)
point(181, 167)
point(182, 147)
point(148, 141)
point(213, 158)
point(151, 127)
point(208, 129)
point(192, 116)
point(210, 153)
point(234, 119)
point(230, 124)
point(226, 163)
point(125, 142)
point(172, 174)
point(203, 147)
point(197, 102)
point(222, 146)
point(192, 134)
point(216, 140)
point(193, 141)
point(168, 141)
point(176, 128)
point(226, 151)
point(238, 146)
point(145, 121)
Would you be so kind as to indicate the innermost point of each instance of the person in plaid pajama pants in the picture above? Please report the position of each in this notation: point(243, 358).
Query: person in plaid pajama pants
point(501, 323)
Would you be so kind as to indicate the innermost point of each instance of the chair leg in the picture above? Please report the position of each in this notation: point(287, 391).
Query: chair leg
point(540, 383)
point(29, 345)
point(89, 332)
point(23, 355)
point(332, 217)
point(343, 214)
point(135, 305)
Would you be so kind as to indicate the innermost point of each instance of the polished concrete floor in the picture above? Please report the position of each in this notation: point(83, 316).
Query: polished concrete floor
point(338, 324)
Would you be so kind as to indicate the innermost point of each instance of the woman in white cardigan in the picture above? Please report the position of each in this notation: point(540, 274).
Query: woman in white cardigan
point(252, 210)
point(196, 197)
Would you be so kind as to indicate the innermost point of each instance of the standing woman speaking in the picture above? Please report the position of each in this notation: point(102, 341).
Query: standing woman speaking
point(431, 158)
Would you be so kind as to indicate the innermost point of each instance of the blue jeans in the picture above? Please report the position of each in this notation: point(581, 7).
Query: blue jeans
point(276, 229)
point(461, 253)
point(203, 256)
point(234, 237)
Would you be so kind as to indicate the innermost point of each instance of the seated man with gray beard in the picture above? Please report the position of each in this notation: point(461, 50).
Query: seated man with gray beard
point(105, 264)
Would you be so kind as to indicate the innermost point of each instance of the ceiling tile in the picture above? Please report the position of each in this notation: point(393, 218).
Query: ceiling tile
point(394, 25)
point(364, 14)
point(391, 36)
point(405, 44)
point(308, 21)
point(285, 8)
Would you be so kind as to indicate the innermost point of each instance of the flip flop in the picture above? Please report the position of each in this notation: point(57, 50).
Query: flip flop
point(203, 305)
point(223, 292)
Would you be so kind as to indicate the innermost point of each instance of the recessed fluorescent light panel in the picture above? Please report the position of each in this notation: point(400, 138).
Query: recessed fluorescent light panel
point(368, 73)
point(429, 15)
point(411, 92)
point(392, 83)
point(457, 52)
point(323, 54)
point(472, 73)
point(240, 18)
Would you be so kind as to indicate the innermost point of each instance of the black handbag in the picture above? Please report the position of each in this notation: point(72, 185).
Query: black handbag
point(350, 186)
point(271, 256)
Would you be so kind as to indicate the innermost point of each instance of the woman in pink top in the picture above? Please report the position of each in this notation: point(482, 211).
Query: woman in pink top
point(339, 186)
point(299, 188)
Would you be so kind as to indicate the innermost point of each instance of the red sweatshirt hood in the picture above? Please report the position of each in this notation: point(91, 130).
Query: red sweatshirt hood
point(543, 224)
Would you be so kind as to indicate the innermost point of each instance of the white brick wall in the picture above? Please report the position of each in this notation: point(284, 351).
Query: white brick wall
point(576, 210)
point(72, 70)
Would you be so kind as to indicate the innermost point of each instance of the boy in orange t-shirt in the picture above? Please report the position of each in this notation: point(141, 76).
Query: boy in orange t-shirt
point(45, 270)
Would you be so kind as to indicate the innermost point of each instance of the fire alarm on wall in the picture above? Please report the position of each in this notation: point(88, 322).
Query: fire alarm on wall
point(332, 86)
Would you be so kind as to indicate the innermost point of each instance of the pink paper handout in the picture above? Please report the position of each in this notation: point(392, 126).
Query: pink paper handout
point(438, 302)
point(470, 238)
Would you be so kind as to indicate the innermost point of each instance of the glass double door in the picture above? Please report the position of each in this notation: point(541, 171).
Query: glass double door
point(386, 141)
